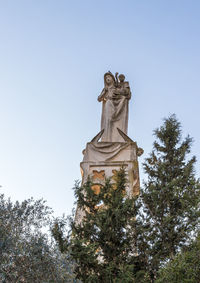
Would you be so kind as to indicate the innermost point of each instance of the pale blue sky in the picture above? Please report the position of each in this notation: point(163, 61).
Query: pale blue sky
point(53, 55)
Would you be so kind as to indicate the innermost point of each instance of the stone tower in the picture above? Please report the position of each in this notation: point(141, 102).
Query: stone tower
point(111, 148)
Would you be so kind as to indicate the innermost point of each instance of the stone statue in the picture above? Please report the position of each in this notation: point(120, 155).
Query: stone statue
point(111, 149)
point(115, 98)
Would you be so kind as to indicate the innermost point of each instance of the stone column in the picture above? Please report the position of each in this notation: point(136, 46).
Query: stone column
point(102, 159)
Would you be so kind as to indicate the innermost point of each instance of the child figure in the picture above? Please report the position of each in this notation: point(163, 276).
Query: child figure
point(122, 86)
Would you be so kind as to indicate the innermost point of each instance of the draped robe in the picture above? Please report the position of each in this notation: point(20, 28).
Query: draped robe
point(114, 115)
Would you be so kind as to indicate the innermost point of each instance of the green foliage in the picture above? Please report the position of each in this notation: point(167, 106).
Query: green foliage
point(169, 203)
point(184, 268)
point(126, 240)
point(27, 254)
point(103, 244)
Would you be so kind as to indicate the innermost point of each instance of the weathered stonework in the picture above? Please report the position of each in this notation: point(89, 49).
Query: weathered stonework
point(102, 159)
point(111, 148)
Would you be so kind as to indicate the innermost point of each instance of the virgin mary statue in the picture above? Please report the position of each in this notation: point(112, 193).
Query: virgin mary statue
point(115, 97)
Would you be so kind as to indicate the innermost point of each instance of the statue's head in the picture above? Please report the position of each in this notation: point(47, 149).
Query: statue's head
point(121, 78)
point(109, 79)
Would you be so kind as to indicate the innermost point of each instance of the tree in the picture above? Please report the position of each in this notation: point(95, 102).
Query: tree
point(184, 268)
point(127, 240)
point(103, 244)
point(27, 254)
point(169, 201)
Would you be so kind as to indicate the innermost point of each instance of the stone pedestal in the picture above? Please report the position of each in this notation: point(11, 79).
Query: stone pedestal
point(102, 159)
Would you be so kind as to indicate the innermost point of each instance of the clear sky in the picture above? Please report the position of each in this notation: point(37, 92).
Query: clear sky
point(53, 55)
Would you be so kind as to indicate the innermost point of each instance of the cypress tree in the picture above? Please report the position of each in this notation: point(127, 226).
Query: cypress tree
point(121, 239)
point(169, 201)
point(103, 244)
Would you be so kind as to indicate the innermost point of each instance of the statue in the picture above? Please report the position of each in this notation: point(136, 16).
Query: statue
point(111, 149)
point(115, 97)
